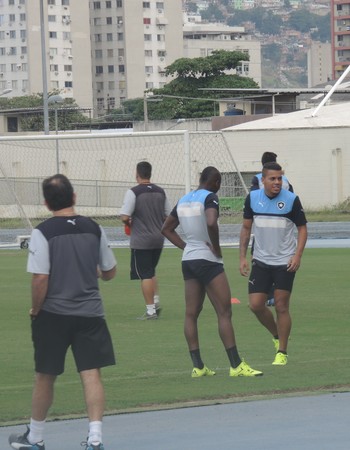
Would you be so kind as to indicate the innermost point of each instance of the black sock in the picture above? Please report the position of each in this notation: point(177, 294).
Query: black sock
point(233, 356)
point(196, 359)
point(282, 351)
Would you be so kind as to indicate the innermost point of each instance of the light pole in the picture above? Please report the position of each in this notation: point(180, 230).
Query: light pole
point(43, 69)
point(56, 100)
point(5, 91)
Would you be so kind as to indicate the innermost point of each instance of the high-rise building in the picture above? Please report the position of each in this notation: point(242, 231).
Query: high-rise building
point(340, 30)
point(67, 36)
point(132, 43)
point(319, 65)
point(201, 39)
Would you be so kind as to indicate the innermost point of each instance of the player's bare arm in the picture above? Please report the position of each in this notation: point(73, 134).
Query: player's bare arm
point(295, 261)
point(39, 290)
point(169, 231)
point(213, 231)
point(243, 246)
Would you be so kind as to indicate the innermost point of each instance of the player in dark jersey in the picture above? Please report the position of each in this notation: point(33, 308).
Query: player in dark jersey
point(203, 270)
point(144, 210)
point(272, 214)
point(67, 254)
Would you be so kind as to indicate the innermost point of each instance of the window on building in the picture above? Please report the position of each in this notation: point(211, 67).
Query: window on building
point(23, 34)
point(12, 17)
point(147, 21)
point(148, 53)
point(120, 52)
point(2, 68)
point(98, 37)
point(160, 37)
point(53, 34)
point(51, 18)
point(119, 20)
point(51, 2)
point(2, 37)
point(22, 17)
point(53, 51)
point(14, 67)
point(161, 53)
point(53, 67)
point(66, 35)
point(12, 34)
point(23, 50)
point(24, 67)
point(99, 86)
point(111, 69)
point(119, 3)
point(149, 85)
point(110, 53)
point(100, 103)
point(65, 2)
point(146, 5)
point(111, 102)
point(121, 68)
point(2, 51)
point(67, 68)
point(109, 20)
point(111, 85)
point(160, 5)
point(109, 37)
point(11, 2)
point(68, 84)
point(13, 51)
point(149, 69)
point(99, 69)
point(147, 37)
point(97, 5)
point(120, 36)
point(97, 21)
point(108, 4)
point(98, 54)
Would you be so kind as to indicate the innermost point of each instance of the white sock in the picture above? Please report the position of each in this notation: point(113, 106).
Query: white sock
point(36, 431)
point(95, 432)
point(151, 309)
point(156, 300)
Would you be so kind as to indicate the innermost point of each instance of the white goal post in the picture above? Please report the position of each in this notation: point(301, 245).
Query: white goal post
point(102, 167)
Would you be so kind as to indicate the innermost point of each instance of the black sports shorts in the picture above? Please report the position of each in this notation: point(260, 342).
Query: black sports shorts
point(143, 263)
point(263, 276)
point(88, 337)
point(202, 270)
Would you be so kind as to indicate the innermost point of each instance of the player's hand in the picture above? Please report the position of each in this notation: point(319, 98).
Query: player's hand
point(244, 267)
point(293, 264)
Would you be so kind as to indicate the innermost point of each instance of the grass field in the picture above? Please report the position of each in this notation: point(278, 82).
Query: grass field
point(153, 367)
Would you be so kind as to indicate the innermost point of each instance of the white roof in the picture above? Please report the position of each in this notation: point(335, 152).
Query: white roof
point(327, 117)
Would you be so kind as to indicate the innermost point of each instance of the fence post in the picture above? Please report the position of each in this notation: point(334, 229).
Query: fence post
point(187, 157)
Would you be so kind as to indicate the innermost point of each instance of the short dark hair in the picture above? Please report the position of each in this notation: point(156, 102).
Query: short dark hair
point(58, 192)
point(270, 166)
point(268, 157)
point(208, 173)
point(144, 170)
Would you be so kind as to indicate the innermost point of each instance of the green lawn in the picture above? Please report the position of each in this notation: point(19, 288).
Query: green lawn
point(153, 364)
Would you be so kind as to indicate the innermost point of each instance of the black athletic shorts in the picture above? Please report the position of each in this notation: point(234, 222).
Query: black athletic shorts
point(143, 263)
point(202, 270)
point(263, 276)
point(88, 337)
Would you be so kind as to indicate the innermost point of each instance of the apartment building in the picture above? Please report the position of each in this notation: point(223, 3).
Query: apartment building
point(201, 39)
point(67, 36)
point(319, 64)
point(132, 43)
point(340, 31)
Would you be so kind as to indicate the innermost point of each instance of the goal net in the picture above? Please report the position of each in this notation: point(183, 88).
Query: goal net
point(102, 167)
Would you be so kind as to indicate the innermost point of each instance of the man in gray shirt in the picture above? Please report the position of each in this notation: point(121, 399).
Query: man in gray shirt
point(144, 210)
point(67, 254)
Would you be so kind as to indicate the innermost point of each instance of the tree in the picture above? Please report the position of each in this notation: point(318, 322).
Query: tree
point(182, 97)
point(33, 120)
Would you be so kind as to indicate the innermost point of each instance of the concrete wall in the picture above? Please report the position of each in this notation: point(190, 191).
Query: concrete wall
point(316, 161)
